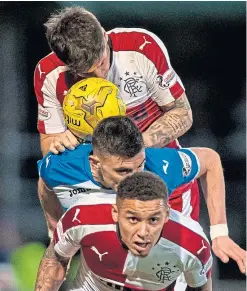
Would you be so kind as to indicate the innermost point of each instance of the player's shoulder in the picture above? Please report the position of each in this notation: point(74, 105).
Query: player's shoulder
point(48, 68)
point(48, 63)
point(156, 157)
point(132, 39)
point(75, 156)
point(182, 154)
point(67, 168)
point(94, 210)
point(188, 234)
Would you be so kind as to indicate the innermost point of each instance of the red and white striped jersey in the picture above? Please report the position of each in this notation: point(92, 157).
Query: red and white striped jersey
point(140, 67)
point(88, 225)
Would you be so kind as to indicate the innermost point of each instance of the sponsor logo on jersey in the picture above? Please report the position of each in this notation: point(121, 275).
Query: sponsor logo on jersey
point(202, 248)
point(141, 47)
point(132, 84)
point(166, 80)
point(168, 272)
point(78, 191)
point(93, 248)
point(43, 114)
point(75, 218)
point(165, 166)
point(187, 163)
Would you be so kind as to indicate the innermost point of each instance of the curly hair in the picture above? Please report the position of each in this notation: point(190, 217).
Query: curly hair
point(144, 186)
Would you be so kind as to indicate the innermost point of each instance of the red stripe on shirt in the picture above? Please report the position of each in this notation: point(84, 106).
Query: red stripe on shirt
point(88, 215)
point(188, 239)
point(132, 41)
point(113, 260)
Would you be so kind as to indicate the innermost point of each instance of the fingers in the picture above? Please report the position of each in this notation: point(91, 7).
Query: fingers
point(239, 255)
point(56, 147)
point(70, 140)
point(225, 248)
point(220, 254)
point(62, 141)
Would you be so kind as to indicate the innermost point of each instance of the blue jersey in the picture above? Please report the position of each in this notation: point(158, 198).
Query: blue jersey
point(70, 176)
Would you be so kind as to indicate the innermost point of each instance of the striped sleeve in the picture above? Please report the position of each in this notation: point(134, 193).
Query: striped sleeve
point(50, 114)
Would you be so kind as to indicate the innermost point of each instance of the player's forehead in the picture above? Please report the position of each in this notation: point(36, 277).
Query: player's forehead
point(143, 209)
point(118, 162)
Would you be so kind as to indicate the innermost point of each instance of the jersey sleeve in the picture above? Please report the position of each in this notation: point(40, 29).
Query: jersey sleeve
point(197, 273)
point(164, 85)
point(50, 113)
point(175, 167)
point(45, 169)
point(68, 233)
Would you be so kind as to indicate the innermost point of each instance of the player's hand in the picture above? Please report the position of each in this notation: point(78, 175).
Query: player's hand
point(224, 248)
point(64, 140)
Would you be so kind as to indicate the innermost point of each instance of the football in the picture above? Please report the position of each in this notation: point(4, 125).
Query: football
point(89, 101)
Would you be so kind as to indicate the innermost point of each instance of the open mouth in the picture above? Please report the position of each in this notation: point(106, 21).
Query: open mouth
point(140, 247)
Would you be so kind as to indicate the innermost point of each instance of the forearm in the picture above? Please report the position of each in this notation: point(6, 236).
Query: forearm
point(51, 205)
point(173, 124)
point(213, 186)
point(52, 271)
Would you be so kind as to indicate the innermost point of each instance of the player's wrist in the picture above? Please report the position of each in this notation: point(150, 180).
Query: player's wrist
point(218, 230)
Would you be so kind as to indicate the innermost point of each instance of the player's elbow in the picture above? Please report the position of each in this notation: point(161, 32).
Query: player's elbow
point(209, 160)
point(212, 158)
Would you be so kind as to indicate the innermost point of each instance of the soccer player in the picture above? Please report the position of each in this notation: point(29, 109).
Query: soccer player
point(117, 151)
point(133, 241)
point(135, 60)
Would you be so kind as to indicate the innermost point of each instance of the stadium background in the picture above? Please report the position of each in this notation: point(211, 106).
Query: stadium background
point(207, 46)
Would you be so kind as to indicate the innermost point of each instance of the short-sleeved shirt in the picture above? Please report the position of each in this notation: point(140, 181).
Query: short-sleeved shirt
point(140, 67)
point(88, 225)
point(69, 173)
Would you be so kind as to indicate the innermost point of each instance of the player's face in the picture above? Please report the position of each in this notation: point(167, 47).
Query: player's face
point(113, 169)
point(140, 223)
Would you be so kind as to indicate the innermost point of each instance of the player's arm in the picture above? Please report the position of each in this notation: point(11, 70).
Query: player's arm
point(166, 90)
point(51, 125)
point(213, 186)
point(176, 120)
point(52, 270)
point(65, 244)
point(206, 287)
point(51, 206)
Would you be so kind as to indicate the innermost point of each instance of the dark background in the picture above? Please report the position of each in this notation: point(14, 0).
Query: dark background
point(206, 42)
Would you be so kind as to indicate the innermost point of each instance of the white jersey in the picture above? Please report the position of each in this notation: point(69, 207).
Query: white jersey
point(107, 264)
point(140, 67)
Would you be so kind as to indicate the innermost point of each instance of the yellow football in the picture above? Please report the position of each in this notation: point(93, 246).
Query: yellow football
point(89, 101)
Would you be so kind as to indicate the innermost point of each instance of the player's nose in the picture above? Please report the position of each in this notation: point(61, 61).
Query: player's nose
point(143, 230)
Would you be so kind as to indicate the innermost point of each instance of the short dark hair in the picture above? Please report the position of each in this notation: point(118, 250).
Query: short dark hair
point(117, 136)
point(144, 186)
point(76, 37)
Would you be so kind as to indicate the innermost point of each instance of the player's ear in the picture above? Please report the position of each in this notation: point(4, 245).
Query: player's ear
point(167, 212)
point(114, 212)
point(94, 162)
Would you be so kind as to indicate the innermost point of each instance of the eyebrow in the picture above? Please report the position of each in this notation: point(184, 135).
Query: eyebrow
point(134, 213)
